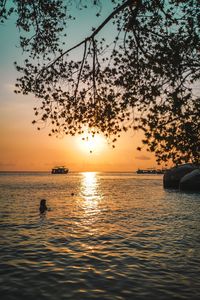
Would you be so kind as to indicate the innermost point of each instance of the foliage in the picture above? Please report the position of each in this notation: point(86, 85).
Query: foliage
point(144, 79)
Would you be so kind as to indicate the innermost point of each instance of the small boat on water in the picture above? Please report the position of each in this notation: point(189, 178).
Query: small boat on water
point(150, 171)
point(59, 170)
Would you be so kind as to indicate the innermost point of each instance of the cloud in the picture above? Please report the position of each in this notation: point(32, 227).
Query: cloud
point(7, 164)
point(10, 87)
point(142, 157)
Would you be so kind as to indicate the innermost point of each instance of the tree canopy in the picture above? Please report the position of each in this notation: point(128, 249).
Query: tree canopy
point(144, 78)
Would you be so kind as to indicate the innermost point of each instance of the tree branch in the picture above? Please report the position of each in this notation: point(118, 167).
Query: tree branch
point(79, 75)
point(95, 32)
point(93, 68)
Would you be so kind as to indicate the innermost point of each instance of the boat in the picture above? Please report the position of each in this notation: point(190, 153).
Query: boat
point(150, 171)
point(60, 170)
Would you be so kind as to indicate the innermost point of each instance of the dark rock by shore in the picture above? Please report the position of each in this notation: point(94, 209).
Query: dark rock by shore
point(191, 181)
point(173, 176)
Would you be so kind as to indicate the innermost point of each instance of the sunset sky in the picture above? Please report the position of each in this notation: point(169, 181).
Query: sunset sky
point(24, 148)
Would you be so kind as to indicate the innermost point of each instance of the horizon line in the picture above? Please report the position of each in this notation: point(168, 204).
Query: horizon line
point(43, 171)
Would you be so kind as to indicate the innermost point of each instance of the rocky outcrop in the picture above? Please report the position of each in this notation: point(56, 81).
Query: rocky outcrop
point(172, 177)
point(191, 181)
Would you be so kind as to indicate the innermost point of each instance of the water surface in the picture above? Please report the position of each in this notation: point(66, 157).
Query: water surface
point(120, 236)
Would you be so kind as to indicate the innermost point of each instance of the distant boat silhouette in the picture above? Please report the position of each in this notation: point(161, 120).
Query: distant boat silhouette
point(150, 171)
point(60, 170)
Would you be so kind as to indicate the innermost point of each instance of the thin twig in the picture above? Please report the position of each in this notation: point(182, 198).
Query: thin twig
point(81, 68)
point(95, 32)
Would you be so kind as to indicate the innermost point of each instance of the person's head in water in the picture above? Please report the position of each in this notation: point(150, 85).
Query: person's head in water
point(43, 206)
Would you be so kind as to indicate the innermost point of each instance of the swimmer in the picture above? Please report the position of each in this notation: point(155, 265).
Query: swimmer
point(43, 206)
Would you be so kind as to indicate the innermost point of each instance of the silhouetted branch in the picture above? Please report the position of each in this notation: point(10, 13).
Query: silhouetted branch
point(95, 32)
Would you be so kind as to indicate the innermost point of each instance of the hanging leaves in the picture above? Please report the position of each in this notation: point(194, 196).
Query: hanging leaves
point(142, 78)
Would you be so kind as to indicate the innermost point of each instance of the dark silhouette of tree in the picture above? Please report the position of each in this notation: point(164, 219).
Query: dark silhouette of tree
point(143, 79)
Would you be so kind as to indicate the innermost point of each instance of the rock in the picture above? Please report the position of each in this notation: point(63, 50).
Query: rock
point(172, 177)
point(191, 181)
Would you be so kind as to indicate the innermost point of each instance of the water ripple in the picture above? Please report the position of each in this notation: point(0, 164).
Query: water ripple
point(120, 236)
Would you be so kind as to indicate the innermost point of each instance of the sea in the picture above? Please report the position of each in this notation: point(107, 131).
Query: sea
point(104, 236)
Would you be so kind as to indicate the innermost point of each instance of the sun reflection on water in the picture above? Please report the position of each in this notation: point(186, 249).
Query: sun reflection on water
point(90, 193)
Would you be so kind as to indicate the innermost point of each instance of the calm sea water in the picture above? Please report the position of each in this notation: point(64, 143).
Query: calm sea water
point(120, 236)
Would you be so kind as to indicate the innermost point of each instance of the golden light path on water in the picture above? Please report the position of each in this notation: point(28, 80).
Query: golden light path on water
point(90, 195)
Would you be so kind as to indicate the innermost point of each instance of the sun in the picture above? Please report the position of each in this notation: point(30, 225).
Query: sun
point(91, 143)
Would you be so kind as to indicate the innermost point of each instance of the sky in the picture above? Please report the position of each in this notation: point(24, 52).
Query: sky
point(23, 148)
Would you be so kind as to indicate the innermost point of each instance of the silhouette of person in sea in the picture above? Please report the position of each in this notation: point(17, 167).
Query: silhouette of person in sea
point(43, 207)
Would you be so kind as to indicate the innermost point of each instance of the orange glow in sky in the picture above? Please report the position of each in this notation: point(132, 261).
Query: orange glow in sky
point(91, 144)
